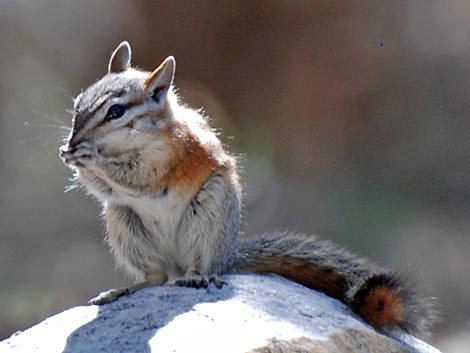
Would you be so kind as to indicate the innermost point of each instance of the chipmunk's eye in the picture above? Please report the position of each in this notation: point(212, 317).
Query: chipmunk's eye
point(115, 111)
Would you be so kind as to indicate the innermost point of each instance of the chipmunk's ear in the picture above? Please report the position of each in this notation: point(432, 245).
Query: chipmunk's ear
point(120, 58)
point(160, 80)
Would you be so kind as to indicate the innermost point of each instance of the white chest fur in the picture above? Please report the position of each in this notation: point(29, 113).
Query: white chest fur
point(161, 213)
point(146, 233)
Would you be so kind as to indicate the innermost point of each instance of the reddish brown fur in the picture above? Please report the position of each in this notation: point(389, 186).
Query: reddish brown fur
point(192, 164)
point(383, 307)
point(319, 278)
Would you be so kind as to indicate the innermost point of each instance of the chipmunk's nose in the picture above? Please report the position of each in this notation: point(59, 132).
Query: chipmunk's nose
point(71, 144)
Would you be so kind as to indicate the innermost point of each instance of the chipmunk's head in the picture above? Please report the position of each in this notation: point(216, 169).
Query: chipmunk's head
point(117, 113)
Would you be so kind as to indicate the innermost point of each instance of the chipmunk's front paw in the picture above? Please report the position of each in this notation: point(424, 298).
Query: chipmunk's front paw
point(82, 155)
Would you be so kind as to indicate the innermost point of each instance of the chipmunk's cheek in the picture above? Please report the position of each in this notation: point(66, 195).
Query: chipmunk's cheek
point(106, 151)
point(114, 143)
point(102, 149)
point(110, 151)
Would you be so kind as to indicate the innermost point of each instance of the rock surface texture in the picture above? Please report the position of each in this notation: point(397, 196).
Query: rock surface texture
point(250, 314)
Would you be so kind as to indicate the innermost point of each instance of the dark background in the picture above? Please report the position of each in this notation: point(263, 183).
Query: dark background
point(352, 119)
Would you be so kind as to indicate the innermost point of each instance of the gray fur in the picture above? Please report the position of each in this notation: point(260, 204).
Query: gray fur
point(153, 232)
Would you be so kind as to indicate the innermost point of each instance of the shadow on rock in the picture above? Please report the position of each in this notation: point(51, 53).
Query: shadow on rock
point(128, 324)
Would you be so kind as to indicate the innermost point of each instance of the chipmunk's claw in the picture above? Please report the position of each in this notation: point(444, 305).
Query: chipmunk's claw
point(199, 282)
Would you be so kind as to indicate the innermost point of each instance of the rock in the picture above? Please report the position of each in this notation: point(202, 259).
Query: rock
point(251, 314)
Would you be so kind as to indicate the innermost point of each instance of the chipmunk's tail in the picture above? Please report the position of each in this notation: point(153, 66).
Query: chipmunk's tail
point(391, 300)
point(384, 299)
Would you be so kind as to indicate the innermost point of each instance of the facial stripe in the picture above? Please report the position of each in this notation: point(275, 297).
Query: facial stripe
point(82, 120)
point(134, 110)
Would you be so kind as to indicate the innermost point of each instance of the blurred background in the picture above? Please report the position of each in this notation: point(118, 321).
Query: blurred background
point(352, 121)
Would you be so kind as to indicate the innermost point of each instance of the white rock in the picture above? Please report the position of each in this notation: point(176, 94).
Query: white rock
point(251, 313)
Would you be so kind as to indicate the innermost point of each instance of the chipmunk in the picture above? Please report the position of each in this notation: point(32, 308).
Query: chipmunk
point(171, 197)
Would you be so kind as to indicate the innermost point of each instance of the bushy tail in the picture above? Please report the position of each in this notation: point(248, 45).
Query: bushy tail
point(390, 300)
point(384, 299)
